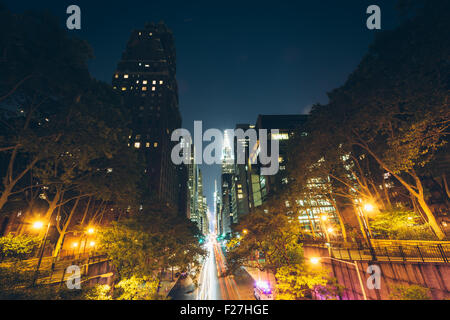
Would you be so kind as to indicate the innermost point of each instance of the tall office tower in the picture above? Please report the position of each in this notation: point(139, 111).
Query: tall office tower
point(240, 190)
point(310, 206)
point(202, 206)
point(218, 209)
point(193, 181)
point(227, 178)
point(146, 79)
point(204, 218)
point(227, 154)
point(227, 204)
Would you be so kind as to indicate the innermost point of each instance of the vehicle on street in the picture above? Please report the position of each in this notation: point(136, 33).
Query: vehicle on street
point(262, 291)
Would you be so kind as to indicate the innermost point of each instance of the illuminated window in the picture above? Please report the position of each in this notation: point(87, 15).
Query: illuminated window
point(280, 136)
point(153, 88)
point(144, 82)
point(155, 144)
point(161, 82)
point(125, 76)
point(140, 33)
point(240, 196)
point(116, 76)
point(154, 82)
point(144, 88)
point(147, 145)
point(150, 34)
point(137, 145)
point(147, 66)
point(124, 89)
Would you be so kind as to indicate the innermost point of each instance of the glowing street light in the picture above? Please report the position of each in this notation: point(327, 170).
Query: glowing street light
point(38, 225)
point(91, 230)
point(368, 207)
point(324, 217)
point(245, 231)
point(314, 260)
point(75, 244)
point(92, 243)
point(330, 230)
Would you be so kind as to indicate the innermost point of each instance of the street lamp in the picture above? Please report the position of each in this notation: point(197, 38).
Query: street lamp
point(245, 231)
point(39, 225)
point(368, 207)
point(316, 260)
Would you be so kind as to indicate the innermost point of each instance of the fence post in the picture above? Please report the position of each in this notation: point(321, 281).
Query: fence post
point(387, 254)
point(402, 253)
point(420, 253)
point(441, 250)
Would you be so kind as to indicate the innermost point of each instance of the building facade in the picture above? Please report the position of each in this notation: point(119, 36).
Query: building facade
point(146, 80)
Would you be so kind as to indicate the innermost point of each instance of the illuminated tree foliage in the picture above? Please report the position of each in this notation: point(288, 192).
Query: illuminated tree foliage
point(402, 225)
point(18, 247)
point(152, 240)
point(271, 241)
point(393, 110)
point(412, 292)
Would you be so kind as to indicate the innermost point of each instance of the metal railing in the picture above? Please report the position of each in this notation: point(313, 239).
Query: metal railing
point(436, 252)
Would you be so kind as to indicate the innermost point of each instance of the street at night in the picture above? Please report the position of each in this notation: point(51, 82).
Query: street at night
point(213, 284)
point(224, 159)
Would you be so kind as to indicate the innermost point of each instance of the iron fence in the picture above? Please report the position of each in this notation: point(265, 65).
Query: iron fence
point(439, 252)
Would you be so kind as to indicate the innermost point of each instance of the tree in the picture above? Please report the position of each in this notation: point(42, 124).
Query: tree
point(99, 292)
point(39, 78)
point(271, 241)
point(271, 235)
point(394, 107)
point(18, 247)
point(298, 281)
point(137, 289)
point(412, 292)
point(151, 241)
point(402, 225)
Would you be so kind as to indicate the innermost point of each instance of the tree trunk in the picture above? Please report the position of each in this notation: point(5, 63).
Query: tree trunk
point(444, 180)
point(64, 230)
point(431, 218)
point(418, 193)
point(341, 220)
point(5, 195)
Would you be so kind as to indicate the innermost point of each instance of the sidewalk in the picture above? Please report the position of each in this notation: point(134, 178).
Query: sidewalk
point(259, 275)
point(167, 284)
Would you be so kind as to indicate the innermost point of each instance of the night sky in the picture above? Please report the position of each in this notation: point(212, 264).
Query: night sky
point(236, 59)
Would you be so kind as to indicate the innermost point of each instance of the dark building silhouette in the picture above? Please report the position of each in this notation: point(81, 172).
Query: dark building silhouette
point(146, 79)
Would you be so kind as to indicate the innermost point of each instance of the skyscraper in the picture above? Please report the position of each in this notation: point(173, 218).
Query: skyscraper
point(146, 79)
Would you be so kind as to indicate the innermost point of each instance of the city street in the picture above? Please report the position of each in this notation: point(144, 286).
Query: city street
point(212, 285)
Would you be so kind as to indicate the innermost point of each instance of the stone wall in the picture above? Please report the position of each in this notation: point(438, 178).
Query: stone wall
point(435, 276)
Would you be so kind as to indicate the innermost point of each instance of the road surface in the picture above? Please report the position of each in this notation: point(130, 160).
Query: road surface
point(212, 284)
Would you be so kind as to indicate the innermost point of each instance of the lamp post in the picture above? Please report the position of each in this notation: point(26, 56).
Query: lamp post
point(367, 207)
point(315, 260)
point(39, 225)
